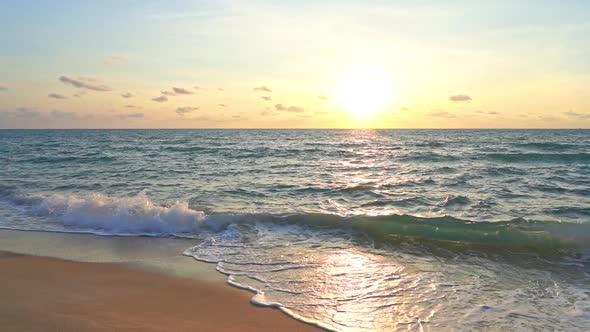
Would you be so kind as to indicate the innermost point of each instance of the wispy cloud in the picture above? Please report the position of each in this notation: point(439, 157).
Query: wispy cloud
point(220, 89)
point(114, 59)
point(181, 91)
point(3, 88)
point(292, 109)
point(547, 118)
point(167, 93)
point(25, 112)
point(56, 96)
point(84, 83)
point(460, 98)
point(132, 106)
point(131, 116)
point(185, 110)
point(322, 97)
point(222, 105)
point(63, 114)
point(267, 98)
point(442, 114)
point(202, 118)
point(127, 95)
point(161, 99)
point(573, 114)
point(262, 88)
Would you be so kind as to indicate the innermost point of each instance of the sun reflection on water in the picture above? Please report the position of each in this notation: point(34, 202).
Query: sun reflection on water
point(370, 292)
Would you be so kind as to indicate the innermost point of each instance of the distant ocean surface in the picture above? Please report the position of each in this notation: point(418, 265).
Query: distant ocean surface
point(350, 230)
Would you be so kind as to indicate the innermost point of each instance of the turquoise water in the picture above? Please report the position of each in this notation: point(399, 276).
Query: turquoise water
point(347, 229)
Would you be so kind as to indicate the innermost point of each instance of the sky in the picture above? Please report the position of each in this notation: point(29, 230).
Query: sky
point(278, 64)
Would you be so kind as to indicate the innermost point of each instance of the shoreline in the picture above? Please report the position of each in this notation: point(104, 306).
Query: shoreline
point(60, 291)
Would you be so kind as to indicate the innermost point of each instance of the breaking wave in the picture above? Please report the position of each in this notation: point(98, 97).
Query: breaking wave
point(139, 216)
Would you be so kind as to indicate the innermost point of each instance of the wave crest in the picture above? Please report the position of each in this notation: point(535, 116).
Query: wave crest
point(138, 215)
point(127, 215)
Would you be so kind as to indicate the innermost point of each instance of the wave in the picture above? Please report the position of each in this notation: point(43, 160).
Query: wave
point(430, 157)
point(455, 200)
point(430, 144)
point(60, 159)
point(233, 152)
point(182, 148)
point(101, 214)
point(539, 157)
point(549, 146)
point(137, 215)
point(570, 210)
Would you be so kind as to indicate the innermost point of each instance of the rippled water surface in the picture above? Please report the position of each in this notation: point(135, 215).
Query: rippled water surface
point(349, 230)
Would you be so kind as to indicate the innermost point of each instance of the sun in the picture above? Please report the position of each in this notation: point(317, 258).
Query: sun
point(364, 90)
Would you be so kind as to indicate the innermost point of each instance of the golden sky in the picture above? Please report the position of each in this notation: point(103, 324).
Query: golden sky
point(288, 64)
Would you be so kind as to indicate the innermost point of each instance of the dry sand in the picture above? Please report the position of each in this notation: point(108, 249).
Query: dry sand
point(49, 294)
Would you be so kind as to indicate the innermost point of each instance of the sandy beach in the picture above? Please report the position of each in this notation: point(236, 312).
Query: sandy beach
point(50, 294)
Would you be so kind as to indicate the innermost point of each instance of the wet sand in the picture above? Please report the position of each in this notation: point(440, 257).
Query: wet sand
point(50, 294)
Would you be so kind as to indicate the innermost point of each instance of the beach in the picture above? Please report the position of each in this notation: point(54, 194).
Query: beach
point(53, 294)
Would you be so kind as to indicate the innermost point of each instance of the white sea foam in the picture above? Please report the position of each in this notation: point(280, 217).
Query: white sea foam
point(125, 215)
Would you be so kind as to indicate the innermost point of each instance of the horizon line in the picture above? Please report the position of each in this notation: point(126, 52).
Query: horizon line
point(311, 128)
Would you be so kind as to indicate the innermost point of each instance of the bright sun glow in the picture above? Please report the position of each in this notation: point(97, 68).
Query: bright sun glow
point(364, 90)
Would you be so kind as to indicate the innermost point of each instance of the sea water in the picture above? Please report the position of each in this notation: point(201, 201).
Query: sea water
point(350, 230)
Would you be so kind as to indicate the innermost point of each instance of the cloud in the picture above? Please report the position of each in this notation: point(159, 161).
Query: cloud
point(220, 89)
point(185, 110)
point(547, 118)
point(25, 112)
point(262, 89)
point(573, 114)
point(113, 59)
point(442, 114)
point(196, 87)
point(493, 113)
point(56, 96)
point(84, 83)
point(404, 109)
point(3, 88)
point(267, 98)
point(131, 116)
point(132, 106)
point(126, 95)
point(63, 115)
point(460, 98)
point(292, 109)
point(79, 94)
point(167, 93)
point(321, 112)
point(203, 118)
point(322, 97)
point(182, 91)
point(161, 99)
point(222, 105)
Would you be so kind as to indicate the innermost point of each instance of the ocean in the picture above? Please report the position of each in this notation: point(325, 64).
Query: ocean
point(350, 230)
